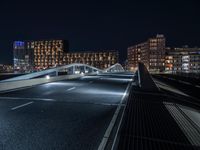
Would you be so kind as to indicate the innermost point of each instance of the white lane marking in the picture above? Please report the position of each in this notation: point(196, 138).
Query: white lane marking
point(70, 89)
point(108, 104)
point(120, 122)
point(112, 122)
point(14, 108)
point(26, 98)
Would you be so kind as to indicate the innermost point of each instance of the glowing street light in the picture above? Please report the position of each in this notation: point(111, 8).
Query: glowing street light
point(47, 77)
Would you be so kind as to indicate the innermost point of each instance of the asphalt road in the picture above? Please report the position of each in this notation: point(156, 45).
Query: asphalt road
point(70, 114)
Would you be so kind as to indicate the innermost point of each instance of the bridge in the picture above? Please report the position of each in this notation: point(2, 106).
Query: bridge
point(75, 68)
point(82, 107)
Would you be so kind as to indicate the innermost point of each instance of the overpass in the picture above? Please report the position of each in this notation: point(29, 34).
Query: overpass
point(98, 109)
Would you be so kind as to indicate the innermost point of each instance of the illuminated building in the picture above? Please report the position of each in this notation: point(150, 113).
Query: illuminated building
point(151, 53)
point(185, 60)
point(37, 55)
point(32, 56)
point(21, 57)
point(100, 59)
point(47, 53)
point(134, 56)
point(6, 68)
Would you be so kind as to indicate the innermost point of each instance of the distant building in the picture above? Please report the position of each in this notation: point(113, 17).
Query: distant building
point(47, 53)
point(182, 60)
point(134, 56)
point(151, 53)
point(19, 53)
point(38, 55)
point(100, 59)
point(6, 68)
point(1, 68)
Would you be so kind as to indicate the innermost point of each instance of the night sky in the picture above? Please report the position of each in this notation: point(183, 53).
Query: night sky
point(95, 25)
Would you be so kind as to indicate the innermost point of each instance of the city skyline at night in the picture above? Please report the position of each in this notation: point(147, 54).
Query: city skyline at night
point(98, 25)
point(100, 75)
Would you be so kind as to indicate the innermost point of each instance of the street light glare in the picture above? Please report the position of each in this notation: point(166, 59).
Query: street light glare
point(47, 77)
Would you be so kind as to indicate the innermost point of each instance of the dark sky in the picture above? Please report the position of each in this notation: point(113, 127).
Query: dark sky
point(94, 24)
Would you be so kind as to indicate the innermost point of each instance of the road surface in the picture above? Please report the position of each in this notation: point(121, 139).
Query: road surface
point(69, 114)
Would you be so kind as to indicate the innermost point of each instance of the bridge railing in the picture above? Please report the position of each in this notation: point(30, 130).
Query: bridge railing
point(72, 68)
point(75, 68)
point(115, 68)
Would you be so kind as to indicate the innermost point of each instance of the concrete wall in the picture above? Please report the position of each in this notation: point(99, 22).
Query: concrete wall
point(146, 82)
point(4, 86)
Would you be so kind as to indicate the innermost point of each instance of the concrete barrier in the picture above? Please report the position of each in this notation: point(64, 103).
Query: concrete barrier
point(145, 80)
point(5, 86)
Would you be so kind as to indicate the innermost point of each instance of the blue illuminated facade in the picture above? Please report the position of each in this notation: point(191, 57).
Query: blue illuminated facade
point(19, 44)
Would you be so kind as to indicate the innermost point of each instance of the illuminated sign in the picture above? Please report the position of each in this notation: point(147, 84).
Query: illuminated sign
point(18, 44)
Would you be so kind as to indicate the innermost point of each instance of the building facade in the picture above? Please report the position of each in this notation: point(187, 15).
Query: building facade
point(134, 56)
point(100, 59)
point(182, 60)
point(6, 68)
point(37, 55)
point(32, 56)
point(20, 55)
point(151, 53)
point(47, 53)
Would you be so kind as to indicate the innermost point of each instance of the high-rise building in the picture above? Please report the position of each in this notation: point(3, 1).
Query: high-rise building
point(38, 55)
point(47, 53)
point(182, 60)
point(151, 53)
point(21, 58)
point(134, 56)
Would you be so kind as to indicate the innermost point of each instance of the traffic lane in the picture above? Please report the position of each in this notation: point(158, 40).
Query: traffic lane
point(100, 91)
point(43, 87)
point(6, 104)
point(55, 125)
point(76, 92)
point(29, 105)
point(117, 76)
point(107, 78)
point(39, 90)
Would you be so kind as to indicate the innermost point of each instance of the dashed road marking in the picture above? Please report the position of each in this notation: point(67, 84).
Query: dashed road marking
point(71, 88)
point(27, 98)
point(17, 107)
point(112, 123)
